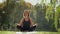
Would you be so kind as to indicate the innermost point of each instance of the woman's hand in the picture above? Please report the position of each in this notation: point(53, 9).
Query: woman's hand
point(17, 24)
point(35, 24)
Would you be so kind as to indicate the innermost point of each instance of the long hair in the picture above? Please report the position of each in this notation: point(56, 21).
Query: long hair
point(27, 11)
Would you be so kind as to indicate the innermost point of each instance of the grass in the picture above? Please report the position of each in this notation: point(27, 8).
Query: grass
point(7, 32)
point(41, 32)
point(12, 32)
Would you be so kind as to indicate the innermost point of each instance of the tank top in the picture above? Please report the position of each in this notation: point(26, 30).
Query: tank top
point(26, 24)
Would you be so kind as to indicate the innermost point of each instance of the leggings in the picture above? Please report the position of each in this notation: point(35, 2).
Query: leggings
point(26, 29)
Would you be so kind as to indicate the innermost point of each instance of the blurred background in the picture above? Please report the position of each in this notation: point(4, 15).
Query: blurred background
point(44, 12)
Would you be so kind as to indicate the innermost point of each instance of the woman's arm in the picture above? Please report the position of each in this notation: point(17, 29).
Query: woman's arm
point(21, 22)
point(31, 22)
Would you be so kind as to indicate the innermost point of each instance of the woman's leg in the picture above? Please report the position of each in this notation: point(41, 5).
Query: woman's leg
point(32, 28)
point(19, 28)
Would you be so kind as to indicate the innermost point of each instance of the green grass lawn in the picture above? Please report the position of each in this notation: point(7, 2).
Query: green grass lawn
point(41, 32)
point(7, 32)
point(11, 32)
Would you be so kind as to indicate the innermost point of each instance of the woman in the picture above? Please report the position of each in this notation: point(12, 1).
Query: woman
point(26, 23)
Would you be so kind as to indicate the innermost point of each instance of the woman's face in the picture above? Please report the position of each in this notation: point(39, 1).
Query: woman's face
point(26, 14)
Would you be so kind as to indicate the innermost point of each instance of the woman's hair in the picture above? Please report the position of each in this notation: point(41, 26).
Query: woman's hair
point(27, 11)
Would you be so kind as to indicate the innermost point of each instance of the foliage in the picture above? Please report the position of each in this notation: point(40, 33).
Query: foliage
point(47, 18)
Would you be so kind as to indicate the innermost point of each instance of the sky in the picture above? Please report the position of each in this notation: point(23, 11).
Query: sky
point(2, 1)
point(33, 2)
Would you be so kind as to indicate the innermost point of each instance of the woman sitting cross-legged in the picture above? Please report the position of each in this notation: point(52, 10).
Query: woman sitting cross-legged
point(26, 23)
